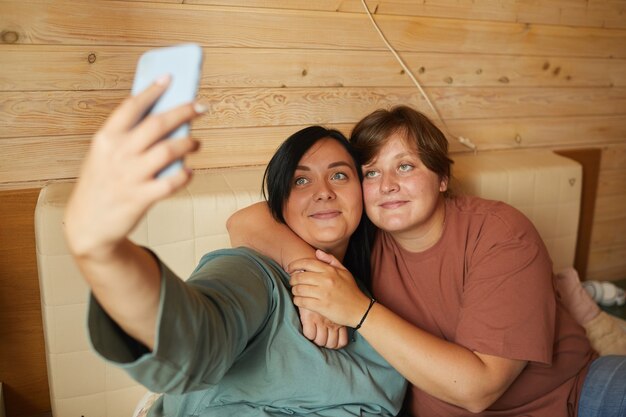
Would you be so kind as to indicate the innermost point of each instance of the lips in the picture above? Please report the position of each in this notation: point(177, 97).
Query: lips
point(325, 214)
point(392, 204)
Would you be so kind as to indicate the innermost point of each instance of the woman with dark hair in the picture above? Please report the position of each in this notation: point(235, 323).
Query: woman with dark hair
point(228, 340)
point(465, 303)
point(277, 178)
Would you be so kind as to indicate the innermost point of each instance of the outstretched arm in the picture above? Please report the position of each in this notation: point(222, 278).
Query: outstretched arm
point(254, 227)
point(117, 186)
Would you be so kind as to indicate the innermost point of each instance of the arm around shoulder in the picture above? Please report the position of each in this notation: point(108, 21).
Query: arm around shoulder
point(254, 227)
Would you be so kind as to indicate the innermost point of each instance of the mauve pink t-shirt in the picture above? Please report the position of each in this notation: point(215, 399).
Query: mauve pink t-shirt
point(487, 285)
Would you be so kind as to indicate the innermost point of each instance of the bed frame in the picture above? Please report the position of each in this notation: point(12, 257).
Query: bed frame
point(543, 185)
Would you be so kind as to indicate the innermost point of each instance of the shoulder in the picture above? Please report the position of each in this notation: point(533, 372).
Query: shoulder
point(492, 214)
point(237, 264)
point(492, 227)
point(236, 255)
point(488, 225)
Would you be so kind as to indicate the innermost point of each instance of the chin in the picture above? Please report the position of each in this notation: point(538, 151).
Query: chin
point(328, 244)
point(391, 225)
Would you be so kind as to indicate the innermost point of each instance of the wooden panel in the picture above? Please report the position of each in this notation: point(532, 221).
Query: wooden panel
point(614, 157)
point(32, 159)
point(607, 264)
point(36, 159)
point(606, 260)
point(611, 207)
point(590, 160)
point(609, 229)
point(607, 233)
point(600, 13)
point(613, 181)
point(60, 113)
point(42, 22)
point(23, 367)
point(53, 67)
point(575, 131)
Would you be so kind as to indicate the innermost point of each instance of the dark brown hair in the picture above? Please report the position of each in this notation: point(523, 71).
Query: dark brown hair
point(371, 133)
point(278, 181)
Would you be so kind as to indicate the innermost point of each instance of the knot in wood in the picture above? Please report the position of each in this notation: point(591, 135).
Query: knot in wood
point(9, 36)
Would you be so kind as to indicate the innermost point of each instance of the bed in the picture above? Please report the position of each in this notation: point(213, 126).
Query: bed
point(543, 185)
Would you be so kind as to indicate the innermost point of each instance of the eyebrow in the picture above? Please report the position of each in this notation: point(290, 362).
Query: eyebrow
point(396, 156)
point(331, 165)
point(405, 154)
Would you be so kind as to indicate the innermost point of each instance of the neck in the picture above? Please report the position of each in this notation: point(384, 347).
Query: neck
point(428, 234)
point(338, 251)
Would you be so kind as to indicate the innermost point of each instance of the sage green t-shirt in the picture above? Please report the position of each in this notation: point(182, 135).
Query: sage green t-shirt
point(230, 343)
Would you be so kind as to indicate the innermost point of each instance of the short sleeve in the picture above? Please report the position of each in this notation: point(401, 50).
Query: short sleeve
point(508, 304)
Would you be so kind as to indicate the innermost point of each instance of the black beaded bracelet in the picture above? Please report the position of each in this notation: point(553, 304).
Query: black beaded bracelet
point(358, 326)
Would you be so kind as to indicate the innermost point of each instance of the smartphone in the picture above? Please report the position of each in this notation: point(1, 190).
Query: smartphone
point(184, 64)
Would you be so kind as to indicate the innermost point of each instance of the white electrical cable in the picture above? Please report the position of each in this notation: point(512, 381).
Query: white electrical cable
point(465, 141)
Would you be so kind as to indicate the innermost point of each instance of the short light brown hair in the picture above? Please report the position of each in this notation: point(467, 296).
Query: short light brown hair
point(371, 133)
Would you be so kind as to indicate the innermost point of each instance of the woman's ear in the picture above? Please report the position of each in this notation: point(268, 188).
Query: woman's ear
point(443, 184)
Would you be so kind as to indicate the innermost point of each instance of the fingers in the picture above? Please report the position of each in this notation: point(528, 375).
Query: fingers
point(342, 340)
point(307, 264)
point(327, 335)
point(133, 108)
point(329, 259)
point(309, 330)
point(302, 279)
point(157, 127)
point(332, 338)
point(166, 152)
point(304, 302)
point(164, 187)
point(321, 337)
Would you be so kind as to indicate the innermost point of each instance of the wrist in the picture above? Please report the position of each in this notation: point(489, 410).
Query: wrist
point(84, 247)
point(370, 304)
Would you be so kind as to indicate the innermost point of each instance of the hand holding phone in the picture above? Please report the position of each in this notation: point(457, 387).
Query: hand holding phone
point(183, 63)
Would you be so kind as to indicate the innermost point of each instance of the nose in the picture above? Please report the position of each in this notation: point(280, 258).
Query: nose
point(388, 184)
point(324, 192)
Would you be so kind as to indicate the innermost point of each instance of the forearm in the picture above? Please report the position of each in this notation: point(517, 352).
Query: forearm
point(442, 369)
point(126, 282)
point(254, 227)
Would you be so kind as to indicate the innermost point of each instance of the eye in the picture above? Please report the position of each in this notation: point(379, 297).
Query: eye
point(370, 174)
point(300, 181)
point(339, 176)
point(405, 167)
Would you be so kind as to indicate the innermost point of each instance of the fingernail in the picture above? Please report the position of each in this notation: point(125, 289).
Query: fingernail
point(163, 79)
point(200, 108)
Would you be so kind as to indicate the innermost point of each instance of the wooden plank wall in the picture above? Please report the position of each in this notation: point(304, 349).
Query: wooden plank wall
point(504, 73)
